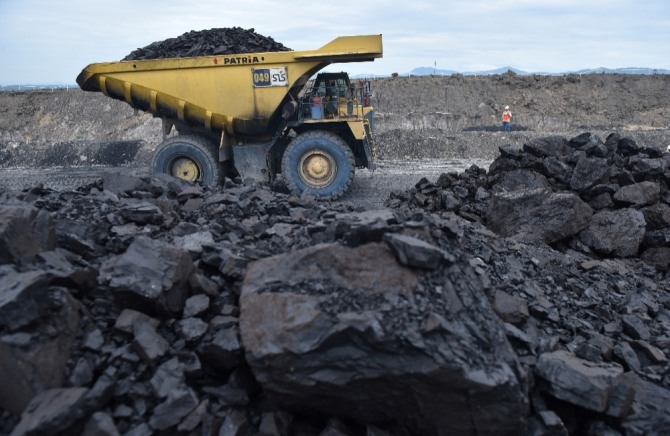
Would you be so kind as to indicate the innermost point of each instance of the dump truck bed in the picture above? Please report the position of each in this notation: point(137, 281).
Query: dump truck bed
point(241, 93)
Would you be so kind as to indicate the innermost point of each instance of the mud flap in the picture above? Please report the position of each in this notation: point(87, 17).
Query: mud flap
point(251, 161)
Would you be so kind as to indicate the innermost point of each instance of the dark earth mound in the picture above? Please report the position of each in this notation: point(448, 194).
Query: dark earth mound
point(217, 41)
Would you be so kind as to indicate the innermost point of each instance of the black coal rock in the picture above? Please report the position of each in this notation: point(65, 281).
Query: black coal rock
point(217, 41)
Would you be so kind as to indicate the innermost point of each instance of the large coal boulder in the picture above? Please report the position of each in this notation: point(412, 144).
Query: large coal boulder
point(217, 41)
point(538, 214)
point(406, 349)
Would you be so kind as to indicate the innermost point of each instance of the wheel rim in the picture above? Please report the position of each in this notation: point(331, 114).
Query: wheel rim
point(185, 168)
point(317, 168)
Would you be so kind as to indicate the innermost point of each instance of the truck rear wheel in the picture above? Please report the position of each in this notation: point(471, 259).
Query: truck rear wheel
point(188, 157)
point(319, 163)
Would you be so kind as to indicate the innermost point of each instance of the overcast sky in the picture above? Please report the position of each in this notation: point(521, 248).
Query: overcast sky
point(51, 41)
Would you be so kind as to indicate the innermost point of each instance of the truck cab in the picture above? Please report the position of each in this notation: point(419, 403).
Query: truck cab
point(334, 96)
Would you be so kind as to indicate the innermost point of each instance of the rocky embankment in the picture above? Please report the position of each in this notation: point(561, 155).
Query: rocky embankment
point(524, 300)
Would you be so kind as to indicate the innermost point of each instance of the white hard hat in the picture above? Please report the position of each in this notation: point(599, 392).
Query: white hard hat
point(506, 107)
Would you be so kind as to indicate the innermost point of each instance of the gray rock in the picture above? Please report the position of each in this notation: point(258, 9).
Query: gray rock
point(650, 352)
point(148, 344)
point(40, 364)
point(635, 327)
point(449, 201)
point(24, 232)
point(230, 264)
point(80, 238)
point(627, 356)
point(142, 213)
point(557, 169)
point(510, 308)
point(649, 410)
point(235, 424)
point(23, 298)
point(577, 381)
point(335, 427)
point(229, 396)
point(128, 320)
point(179, 403)
point(363, 227)
point(82, 374)
point(555, 146)
point(648, 167)
point(657, 216)
point(141, 429)
point(152, 275)
point(546, 422)
point(601, 201)
point(195, 305)
point(414, 252)
point(119, 183)
point(521, 180)
point(194, 242)
point(657, 238)
point(93, 340)
point(168, 377)
point(589, 172)
point(191, 329)
point(538, 215)
point(616, 232)
point(223, 349)
point(201, 284)
point(589, 352)
point(50, 411)
point(100, 424)
point(620, 400)
point(638, 194)
point(195, 418)
point(275, 424)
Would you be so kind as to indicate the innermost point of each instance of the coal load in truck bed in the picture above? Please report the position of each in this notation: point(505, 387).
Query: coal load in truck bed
point(219, 41)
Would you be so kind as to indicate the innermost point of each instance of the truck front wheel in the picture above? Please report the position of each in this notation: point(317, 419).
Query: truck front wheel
point(319, 163)
point(188, 157)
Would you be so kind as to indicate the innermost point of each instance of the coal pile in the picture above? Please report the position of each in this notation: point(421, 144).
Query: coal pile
point(146, 305)
point(606, 198)
point(217, 41)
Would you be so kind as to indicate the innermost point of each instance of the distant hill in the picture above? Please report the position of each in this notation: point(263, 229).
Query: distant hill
point(426, 71)
point(629, 70)
point(35, 87)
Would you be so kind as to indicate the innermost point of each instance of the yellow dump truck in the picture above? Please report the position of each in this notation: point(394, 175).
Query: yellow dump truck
point(254, 114)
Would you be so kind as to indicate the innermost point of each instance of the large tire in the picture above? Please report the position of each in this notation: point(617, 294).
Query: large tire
point(319, 163)
point(189, 157)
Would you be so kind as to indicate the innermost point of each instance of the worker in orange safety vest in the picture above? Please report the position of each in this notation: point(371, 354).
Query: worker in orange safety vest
point(506, 118)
